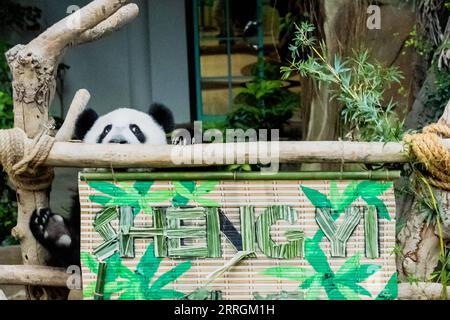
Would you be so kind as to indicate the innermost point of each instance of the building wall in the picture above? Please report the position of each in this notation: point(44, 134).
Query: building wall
point(144, 62)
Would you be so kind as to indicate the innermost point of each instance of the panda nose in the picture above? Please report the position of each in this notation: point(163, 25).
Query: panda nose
point(119, 141)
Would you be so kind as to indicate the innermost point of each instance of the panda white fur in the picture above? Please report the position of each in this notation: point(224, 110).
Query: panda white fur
point(60, 235)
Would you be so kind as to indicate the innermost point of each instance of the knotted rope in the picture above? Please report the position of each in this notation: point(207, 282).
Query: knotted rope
point(428, 149)
point(22, 159)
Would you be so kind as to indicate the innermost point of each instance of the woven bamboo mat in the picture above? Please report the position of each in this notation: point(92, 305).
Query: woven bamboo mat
point(317, 277)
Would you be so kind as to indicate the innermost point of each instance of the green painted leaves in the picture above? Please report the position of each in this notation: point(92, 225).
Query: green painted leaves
point(135, 195)
point(369, 191)
point(142, 284)
point(390, 292)
point(317, 198)
point(190, 191)
point(341, 285)
point(140, 194)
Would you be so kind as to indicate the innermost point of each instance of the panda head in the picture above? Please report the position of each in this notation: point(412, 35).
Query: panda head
point(125, 126)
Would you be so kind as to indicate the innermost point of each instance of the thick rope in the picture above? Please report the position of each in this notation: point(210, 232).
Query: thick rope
point(428, 149)
point(22, 159)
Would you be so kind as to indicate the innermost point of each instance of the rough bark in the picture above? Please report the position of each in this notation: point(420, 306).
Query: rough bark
point(419, 242)
point(33, 275)
point(34, 67)
point(420, 291)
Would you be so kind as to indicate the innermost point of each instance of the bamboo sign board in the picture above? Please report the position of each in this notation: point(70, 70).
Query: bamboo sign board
point(164, 237)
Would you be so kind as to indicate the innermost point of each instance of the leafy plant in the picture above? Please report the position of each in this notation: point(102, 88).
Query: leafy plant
point(356, 83)
point(442, 273)
point(437, 97)
point(424, 47)
point(140, 284)
point(262, 104)
point(8, 205)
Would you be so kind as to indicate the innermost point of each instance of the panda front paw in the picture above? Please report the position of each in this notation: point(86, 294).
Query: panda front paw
point(50, 229)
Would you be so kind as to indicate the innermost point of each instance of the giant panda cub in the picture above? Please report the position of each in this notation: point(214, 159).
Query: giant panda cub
point(60, 235)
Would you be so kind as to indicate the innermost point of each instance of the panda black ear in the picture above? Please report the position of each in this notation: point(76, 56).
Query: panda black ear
point(84, 123)
point(163, 116)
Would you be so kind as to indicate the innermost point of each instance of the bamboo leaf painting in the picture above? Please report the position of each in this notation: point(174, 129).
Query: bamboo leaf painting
point(342, 285)
point(317, 198)
point(190, 191)
point(369, 191)
point(142, 284)
point(173, 253)
point(390, 292)
point(138, 195)
point(143, 187)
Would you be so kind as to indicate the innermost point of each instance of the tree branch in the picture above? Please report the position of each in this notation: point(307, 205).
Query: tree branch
point(65, 32)
point(79, 103)
point(33, 275)
point(116, 21)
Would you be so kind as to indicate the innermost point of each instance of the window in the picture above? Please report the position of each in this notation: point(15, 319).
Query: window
point(229, 46)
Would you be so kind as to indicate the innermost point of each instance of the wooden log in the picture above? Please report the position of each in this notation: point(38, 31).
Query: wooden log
point(79, 103)
point(420, 291)
point(33, 275)
point(135, 156)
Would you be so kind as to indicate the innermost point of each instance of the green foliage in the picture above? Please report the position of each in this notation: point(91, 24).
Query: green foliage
point(8, 211)
point(262, 104)
point(140, 284)
point(355, 82)
point(424, 47)
point(287, 23)
point(442, 272)
point(8, 205)
point(437, 97)
point(271, 69)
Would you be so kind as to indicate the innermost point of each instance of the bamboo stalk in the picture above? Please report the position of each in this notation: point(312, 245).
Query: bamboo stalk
point(64, 154)
point(100, 285)
point(189, 176)
point(33, 275)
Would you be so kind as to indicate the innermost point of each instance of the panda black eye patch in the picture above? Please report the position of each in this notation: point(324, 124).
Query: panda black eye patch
point(104, 133)
point(138, 133)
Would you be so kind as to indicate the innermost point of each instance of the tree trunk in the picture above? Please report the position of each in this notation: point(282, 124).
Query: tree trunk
point(419, 242)
point(33, 68)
